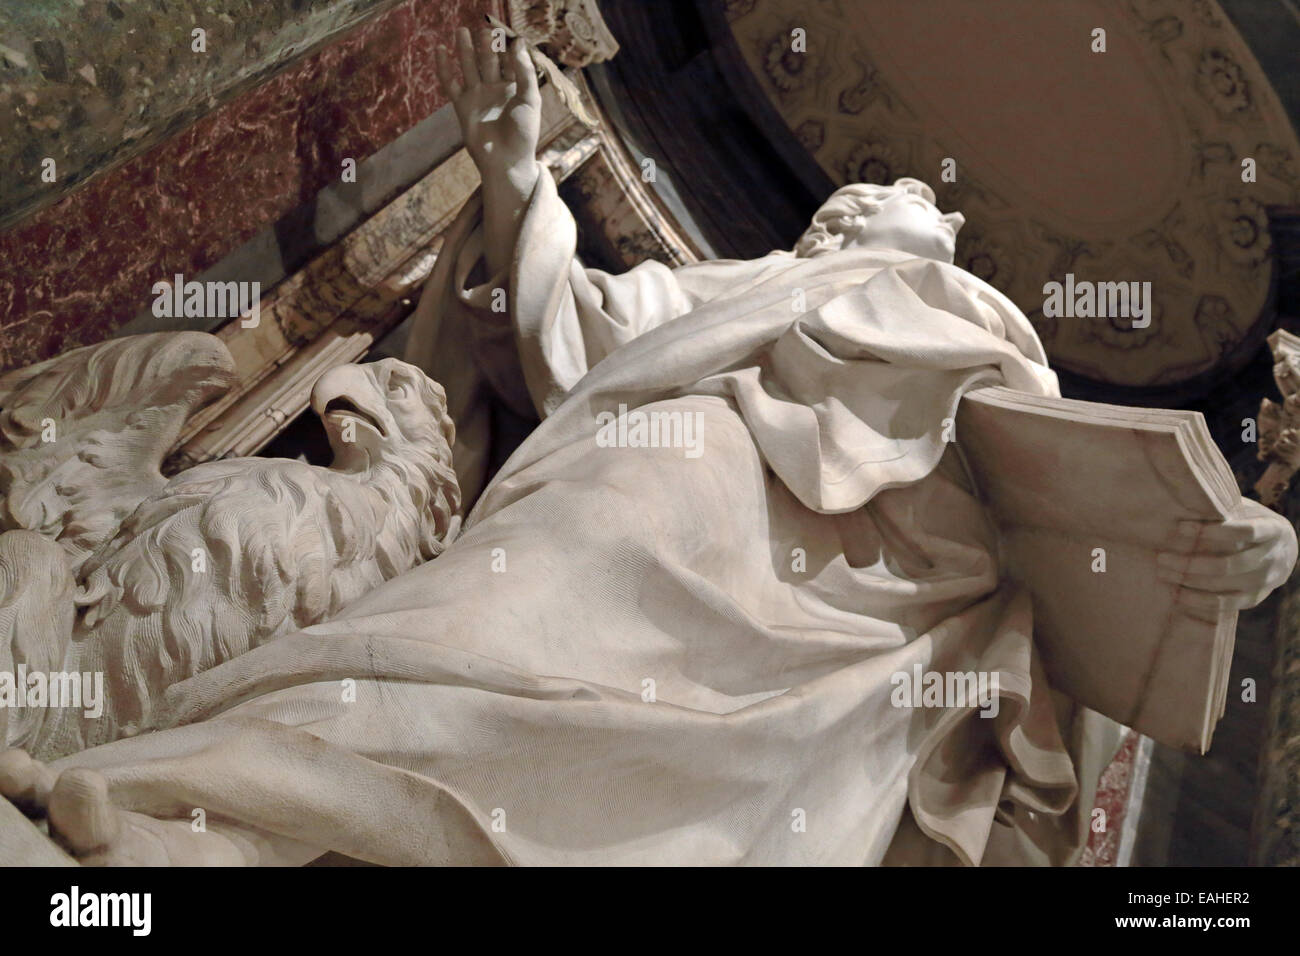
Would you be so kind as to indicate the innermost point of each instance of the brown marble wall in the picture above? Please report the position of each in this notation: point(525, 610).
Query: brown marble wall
point(75, 271)
point(86, 84)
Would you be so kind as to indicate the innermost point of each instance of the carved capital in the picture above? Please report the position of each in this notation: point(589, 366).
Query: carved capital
point(570, 31)
point(1279, 425)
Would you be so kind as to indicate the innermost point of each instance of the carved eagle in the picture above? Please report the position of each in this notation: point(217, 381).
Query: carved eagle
point(109, 567)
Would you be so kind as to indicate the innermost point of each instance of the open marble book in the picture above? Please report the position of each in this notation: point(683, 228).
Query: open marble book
point(1076, 487)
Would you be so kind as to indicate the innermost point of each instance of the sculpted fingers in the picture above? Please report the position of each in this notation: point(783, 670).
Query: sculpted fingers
point(1232, 565)
point(1222, 565)
point(86, 822)
point(451, 87)
point(81, 815)
point(468, 60)
point(489, 64)
point(1251, 524)
point(1251, 553)
point(1231, 535)
point(524, 75)
point(84, 819)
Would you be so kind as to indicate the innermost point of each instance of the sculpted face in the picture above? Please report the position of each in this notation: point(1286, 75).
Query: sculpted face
point(906, 222)
point(379, 408)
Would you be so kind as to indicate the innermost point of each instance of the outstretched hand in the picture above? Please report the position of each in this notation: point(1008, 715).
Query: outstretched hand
point(499, 108)
point(1232, 564)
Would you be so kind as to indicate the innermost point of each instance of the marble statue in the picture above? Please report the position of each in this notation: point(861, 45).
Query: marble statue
point(667, 629)
point(112, 569)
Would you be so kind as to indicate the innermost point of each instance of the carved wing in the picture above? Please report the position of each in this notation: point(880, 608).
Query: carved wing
point(83, 435)
point(36, 615)
point(152, 616)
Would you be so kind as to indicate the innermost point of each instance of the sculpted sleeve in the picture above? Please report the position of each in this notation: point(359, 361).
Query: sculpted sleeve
point(557, 319)
point(526, 337)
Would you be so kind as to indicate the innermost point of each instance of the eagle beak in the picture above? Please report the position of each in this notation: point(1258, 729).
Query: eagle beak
point(349, 390)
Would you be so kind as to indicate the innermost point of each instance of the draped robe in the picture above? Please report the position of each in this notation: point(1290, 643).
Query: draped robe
point(631, 655)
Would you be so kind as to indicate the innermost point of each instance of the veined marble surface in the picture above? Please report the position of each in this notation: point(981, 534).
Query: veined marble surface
point(90, 84)
point(74, 272)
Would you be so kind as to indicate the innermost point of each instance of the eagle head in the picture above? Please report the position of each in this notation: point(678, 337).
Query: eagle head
point(377, 411)
point(387, 423)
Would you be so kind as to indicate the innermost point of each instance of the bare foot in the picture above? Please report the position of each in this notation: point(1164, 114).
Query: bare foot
point(85, 822)
point(26, 783)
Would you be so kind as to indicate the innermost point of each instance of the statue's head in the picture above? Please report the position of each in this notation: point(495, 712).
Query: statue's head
point(390, 417)
point(901, 217)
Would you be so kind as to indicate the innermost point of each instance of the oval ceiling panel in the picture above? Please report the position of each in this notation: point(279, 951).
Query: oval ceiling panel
point(1115, 166)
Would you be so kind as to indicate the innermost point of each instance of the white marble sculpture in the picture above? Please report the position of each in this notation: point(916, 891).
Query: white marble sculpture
point(634, 653)
point(108, 568)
